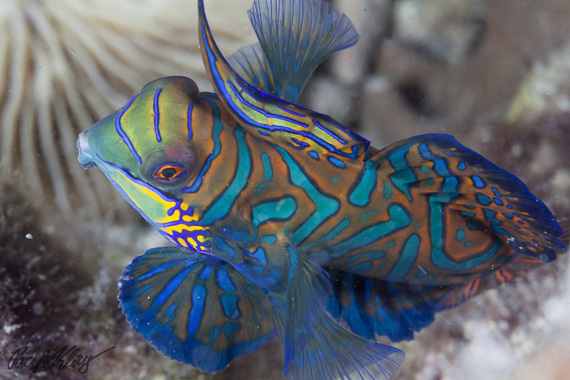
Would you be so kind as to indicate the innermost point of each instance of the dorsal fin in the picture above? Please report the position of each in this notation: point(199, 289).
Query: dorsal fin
point(294, 38)
point(275, 119)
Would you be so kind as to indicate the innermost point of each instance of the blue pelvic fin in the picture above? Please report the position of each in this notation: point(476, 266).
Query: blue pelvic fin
point(370, 307)
point(194, 308)
point(294, 38)
point(317, 347)
point(336, 353)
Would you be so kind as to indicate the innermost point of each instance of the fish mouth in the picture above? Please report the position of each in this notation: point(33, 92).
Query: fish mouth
point(85, 155)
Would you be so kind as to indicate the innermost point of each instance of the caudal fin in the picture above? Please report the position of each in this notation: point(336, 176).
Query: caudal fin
point(488, 199)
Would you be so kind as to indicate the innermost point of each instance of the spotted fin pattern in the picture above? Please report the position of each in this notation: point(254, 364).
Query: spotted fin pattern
point(454, 217)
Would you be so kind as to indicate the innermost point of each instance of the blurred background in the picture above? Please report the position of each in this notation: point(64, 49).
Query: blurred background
point(495, 74)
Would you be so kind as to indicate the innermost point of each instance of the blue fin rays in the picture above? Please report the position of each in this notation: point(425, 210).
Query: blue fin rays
point(194, 308)
point(271, 118)
point(294, 38)
point(316, 347)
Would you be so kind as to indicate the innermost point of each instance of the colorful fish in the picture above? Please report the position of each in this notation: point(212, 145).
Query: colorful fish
point(259, 195)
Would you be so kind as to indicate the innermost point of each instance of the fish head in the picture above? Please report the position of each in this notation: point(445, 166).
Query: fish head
point(148, 151)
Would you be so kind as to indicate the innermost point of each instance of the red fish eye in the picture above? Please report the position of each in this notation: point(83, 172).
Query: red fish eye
point(168, 172)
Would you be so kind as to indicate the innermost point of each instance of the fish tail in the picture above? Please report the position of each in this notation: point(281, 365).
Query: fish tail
point(467, 188)
point(519, 265)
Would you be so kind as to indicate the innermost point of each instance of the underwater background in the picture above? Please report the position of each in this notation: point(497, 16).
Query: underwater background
point(495, 74)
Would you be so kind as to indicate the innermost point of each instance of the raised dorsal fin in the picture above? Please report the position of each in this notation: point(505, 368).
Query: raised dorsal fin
point(294, 38)
point(275, 119)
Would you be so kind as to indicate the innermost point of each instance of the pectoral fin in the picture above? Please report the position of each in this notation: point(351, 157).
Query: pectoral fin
point(194, 308)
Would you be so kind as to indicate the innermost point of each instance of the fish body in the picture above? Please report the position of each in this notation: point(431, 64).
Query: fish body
point(258, 195)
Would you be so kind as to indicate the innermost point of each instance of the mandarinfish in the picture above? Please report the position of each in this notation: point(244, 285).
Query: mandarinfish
point(286, 223)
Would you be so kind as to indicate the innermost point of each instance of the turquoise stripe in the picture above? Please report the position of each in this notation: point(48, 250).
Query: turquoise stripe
point(387, 190)
point(222, 206)
point(334, 232)
point(450, 181)
point(403, 174)
point(281, 209)
point(398, 220)
point(325, 206)
point(363, 191)
point(267, 169)
point(438, 256)
point(407, 258)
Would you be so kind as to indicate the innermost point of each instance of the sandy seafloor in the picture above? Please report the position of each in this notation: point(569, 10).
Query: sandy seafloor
point(495, 74)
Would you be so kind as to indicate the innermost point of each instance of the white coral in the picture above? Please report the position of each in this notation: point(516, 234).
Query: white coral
point(64, 64)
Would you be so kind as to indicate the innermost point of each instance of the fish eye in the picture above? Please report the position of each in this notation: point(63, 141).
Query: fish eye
point(169, 167)
point(169, 172)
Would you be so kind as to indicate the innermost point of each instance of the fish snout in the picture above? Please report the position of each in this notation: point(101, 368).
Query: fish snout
point(85, 155)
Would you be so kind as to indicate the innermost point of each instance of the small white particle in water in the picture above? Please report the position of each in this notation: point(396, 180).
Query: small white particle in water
point(8, 329)
point(446, 321)
point(29, 236)
point(516, 150)
point(38, 308)
point(62, 328)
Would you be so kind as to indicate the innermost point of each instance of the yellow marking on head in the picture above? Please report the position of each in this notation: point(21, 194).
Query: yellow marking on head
point(150, 203)
point(182, 243)
point(181, 228)
point(201, 238)
point(192, 242)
